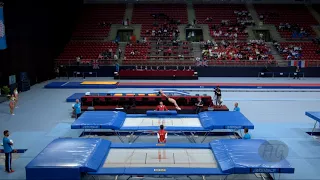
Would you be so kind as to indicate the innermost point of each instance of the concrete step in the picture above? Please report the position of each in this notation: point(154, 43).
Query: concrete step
point(280, 61)
point(253, 13)
point(316, 29)
point(275, 35)
point(182, 30)
point(314, 13)
point(191, 13)
point(196, 49)
point(128, 12)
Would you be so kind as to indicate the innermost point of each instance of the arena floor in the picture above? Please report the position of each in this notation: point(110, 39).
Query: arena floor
point(43, 115)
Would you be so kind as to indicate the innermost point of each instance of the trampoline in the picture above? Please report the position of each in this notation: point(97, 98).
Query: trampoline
point(145, 124)
point(315, 116)
point(74, 157)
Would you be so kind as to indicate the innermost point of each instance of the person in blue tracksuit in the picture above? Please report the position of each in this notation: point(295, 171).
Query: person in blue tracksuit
point(77, 108)
point(246, 134)
point(7, 147)
point(236, 107)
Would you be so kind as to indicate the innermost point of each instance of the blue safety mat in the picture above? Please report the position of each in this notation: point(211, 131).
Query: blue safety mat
point(54, 84)
point(224, 120)
point(78, 85)
point(114, 120)
point(242, 157)
point(314, 115)
point(100, 120)
point(66, 158)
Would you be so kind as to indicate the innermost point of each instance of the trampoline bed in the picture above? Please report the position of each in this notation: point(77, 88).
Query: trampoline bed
point(97, 157)
point(173, 122)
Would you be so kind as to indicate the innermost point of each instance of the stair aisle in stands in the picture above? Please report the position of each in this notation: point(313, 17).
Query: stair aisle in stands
point(279, 60)
point(128, 12)
point(191, 13)
point(122, 46)
point(253, 13)
point(196, 50)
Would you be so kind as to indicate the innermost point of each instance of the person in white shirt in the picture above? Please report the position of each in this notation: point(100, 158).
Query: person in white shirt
point(78, 59)
point(119, 52)
point(115, 57)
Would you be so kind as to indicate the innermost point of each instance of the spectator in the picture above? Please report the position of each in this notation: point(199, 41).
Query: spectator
point(57, 71)
point(78, 59)
point(77, 108)
point(115, 57)
point(119, 52)
point(246, 134)
point(297, 73)
point(161, 107)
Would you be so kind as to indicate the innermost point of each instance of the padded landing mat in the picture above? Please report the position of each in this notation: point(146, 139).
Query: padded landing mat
point(99, 83)
point(79, 85)
point(222, 85)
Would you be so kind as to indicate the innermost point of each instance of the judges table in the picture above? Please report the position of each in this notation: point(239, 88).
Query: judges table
point(157, 74)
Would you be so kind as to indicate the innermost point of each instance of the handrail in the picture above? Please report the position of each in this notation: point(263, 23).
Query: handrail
point(183, 62)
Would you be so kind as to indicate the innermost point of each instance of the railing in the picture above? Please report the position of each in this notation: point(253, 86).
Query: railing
point(142, 62)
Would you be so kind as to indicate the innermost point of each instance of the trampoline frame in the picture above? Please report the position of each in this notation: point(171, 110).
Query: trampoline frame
point(135, 135)
point(98, 150)
point(313, 117)
point(270, 176)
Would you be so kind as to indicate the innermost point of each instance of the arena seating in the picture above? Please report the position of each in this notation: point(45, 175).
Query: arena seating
point(157, 74)
point(292, 14)
point(140, 104)
point(218, 13)
point(88, 50)
point(140, 50)
point(142, 14)
point(96, 20)
point(224, 54)
point(154, 53)
point(308, 52)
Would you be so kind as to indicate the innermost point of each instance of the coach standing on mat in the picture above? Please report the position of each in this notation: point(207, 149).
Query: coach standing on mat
point(218, 95)
point(199, 105)
point(7, 147)
point(77, 108)
point(297, 73)
point(236, 107)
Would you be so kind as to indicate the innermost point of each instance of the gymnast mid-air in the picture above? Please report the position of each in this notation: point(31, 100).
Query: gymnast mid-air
point(174, 102)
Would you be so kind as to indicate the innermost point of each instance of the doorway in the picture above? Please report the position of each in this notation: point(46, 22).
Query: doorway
point(124, 35)
point(263, 35)
point(194, 35)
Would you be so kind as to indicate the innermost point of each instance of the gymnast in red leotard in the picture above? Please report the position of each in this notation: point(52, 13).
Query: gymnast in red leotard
point(174, 102)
